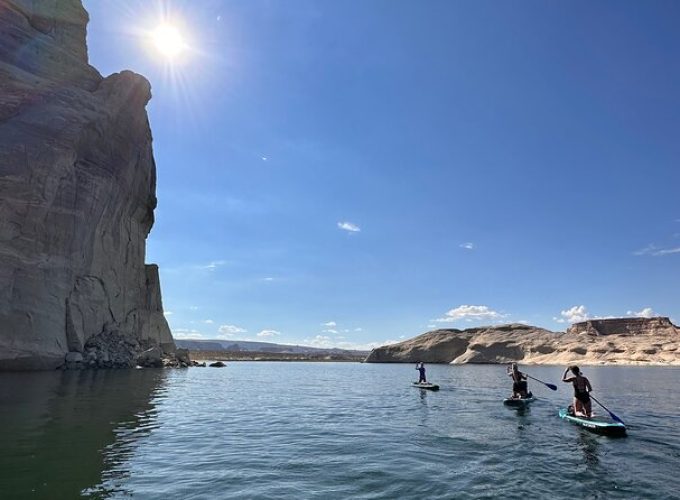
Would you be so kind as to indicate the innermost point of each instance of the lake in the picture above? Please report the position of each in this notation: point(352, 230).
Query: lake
point(331, 430)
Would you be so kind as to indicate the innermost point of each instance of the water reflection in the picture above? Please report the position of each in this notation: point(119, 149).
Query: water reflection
point(59, 428)
point(588, 444)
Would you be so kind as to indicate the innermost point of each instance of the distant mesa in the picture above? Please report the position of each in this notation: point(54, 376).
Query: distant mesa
point(601, 341)
point(243, 350)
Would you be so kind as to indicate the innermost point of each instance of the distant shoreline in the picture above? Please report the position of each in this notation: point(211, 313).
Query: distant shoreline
point(272, 356)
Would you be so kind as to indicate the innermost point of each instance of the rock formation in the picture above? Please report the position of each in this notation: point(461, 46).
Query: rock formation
point(77, 199)
point(610, 341)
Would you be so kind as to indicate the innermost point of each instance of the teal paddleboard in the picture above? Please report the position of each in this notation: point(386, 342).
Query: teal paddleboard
point(426, 385)
point(597, 425)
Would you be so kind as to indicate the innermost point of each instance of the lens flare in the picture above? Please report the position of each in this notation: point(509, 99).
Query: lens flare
point(168, 40)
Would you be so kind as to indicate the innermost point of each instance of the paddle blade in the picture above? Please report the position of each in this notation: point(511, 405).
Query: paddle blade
point(616, 418)
point(551, 386)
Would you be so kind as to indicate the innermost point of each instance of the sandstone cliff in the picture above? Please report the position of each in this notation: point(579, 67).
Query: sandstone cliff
point(77, 197)
point(611, 341)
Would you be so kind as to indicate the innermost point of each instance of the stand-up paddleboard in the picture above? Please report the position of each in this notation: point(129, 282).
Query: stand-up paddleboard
point(521, 402)
point(597, 425)
point(426, 385)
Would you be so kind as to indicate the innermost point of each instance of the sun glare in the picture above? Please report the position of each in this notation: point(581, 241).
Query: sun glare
point(168, 40)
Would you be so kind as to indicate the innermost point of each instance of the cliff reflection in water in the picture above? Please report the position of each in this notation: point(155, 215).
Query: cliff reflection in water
point(62, 430)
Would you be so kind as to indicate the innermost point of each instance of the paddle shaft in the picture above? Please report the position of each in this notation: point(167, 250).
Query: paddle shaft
point(549, 386)
point(611, 413)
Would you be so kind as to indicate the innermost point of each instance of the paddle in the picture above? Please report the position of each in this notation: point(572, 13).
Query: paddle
point(611, 414)
point(549, 386)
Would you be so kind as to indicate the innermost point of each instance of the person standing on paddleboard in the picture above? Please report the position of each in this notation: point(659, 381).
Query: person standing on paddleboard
point(520, 388)
point(421, 368)
point(582, 389)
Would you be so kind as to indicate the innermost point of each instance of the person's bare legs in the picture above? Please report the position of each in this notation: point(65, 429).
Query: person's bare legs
point(578, 407)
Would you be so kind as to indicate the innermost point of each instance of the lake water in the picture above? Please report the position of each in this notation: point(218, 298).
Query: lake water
point(330, 430)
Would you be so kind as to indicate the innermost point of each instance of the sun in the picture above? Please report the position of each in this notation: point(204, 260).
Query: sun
point(168, 40)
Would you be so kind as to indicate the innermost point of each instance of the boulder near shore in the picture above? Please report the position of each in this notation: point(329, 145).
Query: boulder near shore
point(77, 200)
point(626, 341)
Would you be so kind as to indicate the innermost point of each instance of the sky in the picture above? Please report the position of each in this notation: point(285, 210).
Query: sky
point(351, 173)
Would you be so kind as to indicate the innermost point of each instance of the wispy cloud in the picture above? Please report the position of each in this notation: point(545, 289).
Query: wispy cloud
point(208, 321)
point(268, 278)
point(228, 330)
point(646, 312)
point(330, 330)
point(467, 245)
point(359, 329)
point(330, 323)
point(349, 227)
point(268, 333)
point(656, 251)
point(469, 313)
point(211, 266)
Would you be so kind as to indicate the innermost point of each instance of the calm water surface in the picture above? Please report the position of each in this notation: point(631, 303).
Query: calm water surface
point(327, 430)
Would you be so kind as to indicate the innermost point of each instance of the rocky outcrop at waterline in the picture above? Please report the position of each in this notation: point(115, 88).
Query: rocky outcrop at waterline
point(77, 199)
point(610, 341)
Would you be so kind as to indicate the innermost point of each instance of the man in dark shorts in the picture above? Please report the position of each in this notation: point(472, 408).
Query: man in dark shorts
point(519, 382)
point(582, 389)
point(421, 369)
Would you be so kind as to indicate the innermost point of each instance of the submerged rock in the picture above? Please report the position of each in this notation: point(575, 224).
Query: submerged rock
point(217, 364)
point(622, 341)
point(77, 198)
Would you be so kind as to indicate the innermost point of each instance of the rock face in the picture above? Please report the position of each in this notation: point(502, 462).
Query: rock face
point(624, 326)
point(611, 341)
point(77, 195)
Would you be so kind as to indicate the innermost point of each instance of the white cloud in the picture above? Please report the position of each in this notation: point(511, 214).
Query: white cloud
point(264, 158)
point(656, 251)
point(268, 333)
point(358, 329)
point(574, 314)
point(330, 330)
point(577, 314)
point(184, 333)
point(268, 278)
point(349, 227)
point(208, 321)
point(467, 245)
point(227, 330)
point(646, 312)
point(330, 323)
point(193, 308)
point(432, 326)
point(469, 313)
point(168, 313)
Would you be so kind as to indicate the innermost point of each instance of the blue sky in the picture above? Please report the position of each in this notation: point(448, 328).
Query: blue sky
point(348, 173)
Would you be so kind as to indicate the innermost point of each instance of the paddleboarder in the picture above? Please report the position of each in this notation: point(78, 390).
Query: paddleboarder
point(420, 366)
point(520, 388)
point(582, 389)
